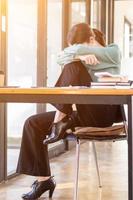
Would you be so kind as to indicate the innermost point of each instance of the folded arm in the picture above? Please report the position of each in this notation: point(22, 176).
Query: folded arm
point(108, 55)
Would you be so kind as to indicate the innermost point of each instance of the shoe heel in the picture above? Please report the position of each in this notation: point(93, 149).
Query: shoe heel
point(51, 192)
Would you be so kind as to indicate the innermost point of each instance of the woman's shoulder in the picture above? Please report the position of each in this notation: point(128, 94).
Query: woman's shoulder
point(114, 52)
point(113, 48)
point(113, 45)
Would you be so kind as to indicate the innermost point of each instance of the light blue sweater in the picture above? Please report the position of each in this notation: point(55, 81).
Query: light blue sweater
point(109, 58)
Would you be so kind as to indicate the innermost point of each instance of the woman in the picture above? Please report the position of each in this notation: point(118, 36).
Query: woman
point(33, 159)
point(104, 59)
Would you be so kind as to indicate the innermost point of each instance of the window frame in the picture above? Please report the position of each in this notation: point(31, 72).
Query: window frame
point(3, 140)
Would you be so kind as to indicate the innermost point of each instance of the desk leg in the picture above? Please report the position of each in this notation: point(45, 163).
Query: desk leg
point(130, 149)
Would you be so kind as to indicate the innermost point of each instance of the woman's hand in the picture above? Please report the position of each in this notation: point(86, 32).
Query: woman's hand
point(89, 59)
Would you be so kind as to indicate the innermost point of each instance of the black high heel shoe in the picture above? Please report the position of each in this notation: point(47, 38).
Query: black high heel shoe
point(38, 188)
point(59, 130)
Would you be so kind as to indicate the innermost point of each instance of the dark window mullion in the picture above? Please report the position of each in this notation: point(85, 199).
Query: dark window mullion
point(66, 21)
point(42, 43)
point(88, 11)
point(110, 21)
point(103, 16)
point(42, 48)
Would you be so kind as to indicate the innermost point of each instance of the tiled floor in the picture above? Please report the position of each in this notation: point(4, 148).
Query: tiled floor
point(112, 159)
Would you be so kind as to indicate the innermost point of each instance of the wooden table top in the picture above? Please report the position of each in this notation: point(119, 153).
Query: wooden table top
point(65, 91)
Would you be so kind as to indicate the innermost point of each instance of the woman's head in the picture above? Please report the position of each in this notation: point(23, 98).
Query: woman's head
point(79, 34)
point(99, 37)
point(82, 32)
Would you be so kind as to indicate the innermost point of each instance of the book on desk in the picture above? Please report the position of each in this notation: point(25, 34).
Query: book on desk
point(108, 77)
point(108, 80)
point(118, 85)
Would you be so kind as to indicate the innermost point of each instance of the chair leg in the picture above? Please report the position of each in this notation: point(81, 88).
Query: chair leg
point(77, 170)
point(96, 162)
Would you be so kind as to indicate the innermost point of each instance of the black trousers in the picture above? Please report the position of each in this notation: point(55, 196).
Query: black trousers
point(33, 158)
point(76, 74)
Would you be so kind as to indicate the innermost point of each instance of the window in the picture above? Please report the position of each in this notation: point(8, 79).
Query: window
point(127, 39)
point(123, 35)
point(96, 14)
point(54, 44)
point(54, 40)
point(78, 12)
point(22, 64)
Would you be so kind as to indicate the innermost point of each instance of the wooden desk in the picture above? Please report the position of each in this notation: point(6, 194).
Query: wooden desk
point(82, 96)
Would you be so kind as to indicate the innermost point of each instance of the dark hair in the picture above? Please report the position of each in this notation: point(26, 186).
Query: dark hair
point(79, 34)
point(99, 37)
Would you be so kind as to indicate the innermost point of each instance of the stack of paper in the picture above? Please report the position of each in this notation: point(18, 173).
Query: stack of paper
point(125, 85)
point(108, 77)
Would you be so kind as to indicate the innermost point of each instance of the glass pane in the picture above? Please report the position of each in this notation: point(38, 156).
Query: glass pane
point(78, 12)
point(54, 42)
point(22, 64)
point(54, 45)
point(123, 35)
point(96, 15)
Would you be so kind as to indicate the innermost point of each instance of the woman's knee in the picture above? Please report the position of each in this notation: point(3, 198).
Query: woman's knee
point(29, 121)
point(72, 67)
point(39, 123)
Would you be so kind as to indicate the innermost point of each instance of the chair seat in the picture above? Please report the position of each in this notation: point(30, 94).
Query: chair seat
point(97, 131)
point(102, 138)
point(92, 133)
